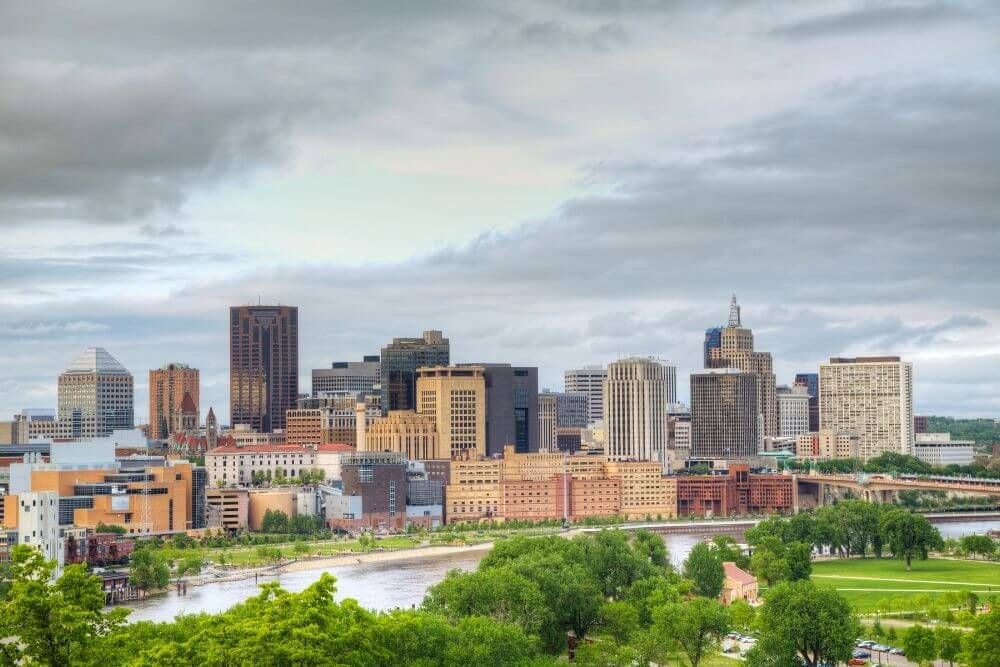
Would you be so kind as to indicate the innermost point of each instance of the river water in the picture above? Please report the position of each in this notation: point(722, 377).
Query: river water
point(388, 585)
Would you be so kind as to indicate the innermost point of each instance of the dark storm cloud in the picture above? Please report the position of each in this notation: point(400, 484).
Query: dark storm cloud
point(876, 17)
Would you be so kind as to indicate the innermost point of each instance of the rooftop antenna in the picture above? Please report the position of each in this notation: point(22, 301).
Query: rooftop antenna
point(734, 314)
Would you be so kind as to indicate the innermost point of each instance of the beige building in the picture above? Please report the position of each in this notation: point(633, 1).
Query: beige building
point(738, 584)
point(455, 397)
point(645, 492)
point(242, 436)
point(635, 410)
point(826, 444)
point(96, 395)
point(228, 509)
point(793, 411)
point(304, 427)
point(407, 432)
point(234, 466)
point(282, 500)
point(736, 350)
point(872, 397)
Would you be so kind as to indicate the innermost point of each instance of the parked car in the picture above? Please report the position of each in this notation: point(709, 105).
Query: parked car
point(857, 661)
point(861, 653)
point(897, 651)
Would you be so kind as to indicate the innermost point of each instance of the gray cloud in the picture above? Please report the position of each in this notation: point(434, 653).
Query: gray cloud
point(877, 17)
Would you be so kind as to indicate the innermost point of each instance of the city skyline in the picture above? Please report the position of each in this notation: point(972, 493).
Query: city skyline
point(553, 185)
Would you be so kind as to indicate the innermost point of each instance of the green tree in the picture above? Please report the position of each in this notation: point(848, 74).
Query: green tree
point(618, 620)
point(981, 647)
point(704, 568)
point(742, 615)
point(909, 535)
point(768, 561)
point(982, 545)
point(695, 628)
point(148, 569)
point(729, 551)
point(652, 546)
point(949, 643)
point(799, 558)
point(54, 622)
point(187, 566)
point(500, 594)
point(920, 644)
point(112, 528)
point(613, 561)
point(802, 622)
point(275, 521)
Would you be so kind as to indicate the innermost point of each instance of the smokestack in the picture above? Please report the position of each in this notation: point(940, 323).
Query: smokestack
point(361, 427)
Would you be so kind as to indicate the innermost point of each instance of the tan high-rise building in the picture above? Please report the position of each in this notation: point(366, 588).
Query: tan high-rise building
point(408, 432)
point(167, 386)
point(872, 397)
point(735, 350)
point(635, 410)
point(455, 397)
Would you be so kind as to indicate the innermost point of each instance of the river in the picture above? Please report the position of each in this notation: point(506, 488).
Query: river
point(387, 585)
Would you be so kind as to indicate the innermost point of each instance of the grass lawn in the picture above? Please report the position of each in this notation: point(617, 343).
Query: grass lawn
point(864, 582)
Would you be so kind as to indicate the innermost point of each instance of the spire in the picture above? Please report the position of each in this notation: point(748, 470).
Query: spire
point(734, 314)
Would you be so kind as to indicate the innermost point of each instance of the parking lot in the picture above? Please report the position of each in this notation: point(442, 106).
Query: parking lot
point(736, 646)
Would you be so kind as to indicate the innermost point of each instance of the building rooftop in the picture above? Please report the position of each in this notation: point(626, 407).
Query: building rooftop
point(96, 360)
point(736, 574)
point(259, 449)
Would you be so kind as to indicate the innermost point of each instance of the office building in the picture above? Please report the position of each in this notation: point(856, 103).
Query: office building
point(559, 410)
point(400, 360)
point(233, 465)
point(793, 411)
point(738, 492)
point(872, 397)
point(920, 424)
point(825, 444)
point(406, 432)
point(373, 495)
point(227, 509)
point(167, 387)
point(736, 350)
point(635, 410)
point(588, 381)
point(455, 397)
point(96, 395)
point(811, 383)
point(336, 417)
point(725, 423)
point(353, 377)
point(938, 449)
point(511, 407)
point(713, 341)
point(263, 365)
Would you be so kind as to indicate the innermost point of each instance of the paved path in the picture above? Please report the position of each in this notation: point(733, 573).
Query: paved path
point(905, 581)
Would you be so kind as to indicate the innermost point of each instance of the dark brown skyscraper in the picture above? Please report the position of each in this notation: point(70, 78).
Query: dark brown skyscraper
point(263, 365)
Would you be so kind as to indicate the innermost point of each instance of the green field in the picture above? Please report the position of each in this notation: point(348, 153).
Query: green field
point(867, 582)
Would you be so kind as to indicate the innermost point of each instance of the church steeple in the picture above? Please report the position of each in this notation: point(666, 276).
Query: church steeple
point(734, 314)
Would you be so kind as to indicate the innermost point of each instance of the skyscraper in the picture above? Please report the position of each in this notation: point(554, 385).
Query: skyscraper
point(872, 397)
point(811, 382)
point(455, 396)
point(635, 410)
point(167, 386)
point(96, 395)
point(724, 417)
point(263, 365)
point(511, 407)
point(736, 350)
point(793, 411)
point(588, 381)
point(400, 360)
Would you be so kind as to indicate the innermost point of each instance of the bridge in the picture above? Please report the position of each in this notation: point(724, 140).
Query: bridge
point(883, 488)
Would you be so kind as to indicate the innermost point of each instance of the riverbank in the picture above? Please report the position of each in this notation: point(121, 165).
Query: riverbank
point(324, 562)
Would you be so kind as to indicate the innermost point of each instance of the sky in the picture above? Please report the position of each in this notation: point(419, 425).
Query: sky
point(549, 183)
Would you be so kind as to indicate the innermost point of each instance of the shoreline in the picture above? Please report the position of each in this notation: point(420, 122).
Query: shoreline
point(326, 562)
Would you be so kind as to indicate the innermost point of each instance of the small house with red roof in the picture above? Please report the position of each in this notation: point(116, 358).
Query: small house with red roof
point(738, 584)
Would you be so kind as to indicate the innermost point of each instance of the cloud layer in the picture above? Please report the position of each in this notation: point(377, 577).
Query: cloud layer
point(837, 169)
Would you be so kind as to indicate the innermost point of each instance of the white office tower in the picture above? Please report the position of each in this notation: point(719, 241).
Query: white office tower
point(871, 397)
point(589, 381)
point(793, 411)
point(635, 410)
point(96, 395)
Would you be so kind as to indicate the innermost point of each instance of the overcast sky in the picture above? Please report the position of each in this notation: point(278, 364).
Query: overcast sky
point(551, 184)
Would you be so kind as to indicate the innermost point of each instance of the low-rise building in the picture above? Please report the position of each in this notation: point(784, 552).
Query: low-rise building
point(233, 465)
point(406, 432)
point(737, 584)
point(228, 509)
point(825, 444)
point(938, 449)
point(735, 493)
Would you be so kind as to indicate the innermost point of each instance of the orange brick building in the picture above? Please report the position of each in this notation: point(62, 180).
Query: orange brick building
point(167, 386)
point(738, 492)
